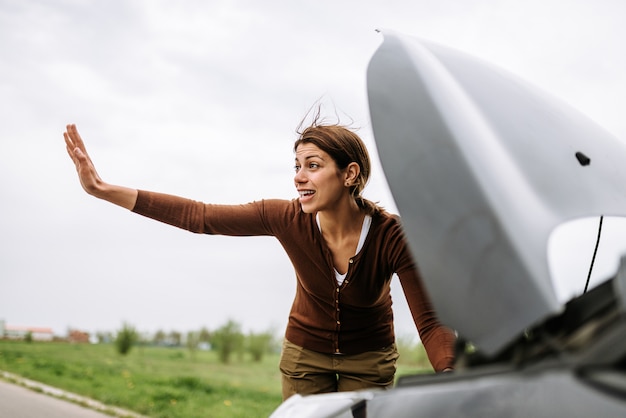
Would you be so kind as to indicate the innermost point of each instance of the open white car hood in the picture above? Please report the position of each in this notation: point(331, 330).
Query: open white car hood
point(483, 167)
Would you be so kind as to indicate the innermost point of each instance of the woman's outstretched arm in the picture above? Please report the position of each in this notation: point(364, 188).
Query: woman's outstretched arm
point(88, 176)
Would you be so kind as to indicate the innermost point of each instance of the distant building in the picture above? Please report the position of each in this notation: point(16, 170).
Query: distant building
point(76, 336)
point(20, 333)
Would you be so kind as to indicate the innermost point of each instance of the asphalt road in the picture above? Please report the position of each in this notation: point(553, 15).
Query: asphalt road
point(19, 402)
point(30, 399)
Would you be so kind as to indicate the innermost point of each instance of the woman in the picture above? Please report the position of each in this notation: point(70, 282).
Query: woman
point(344, 249)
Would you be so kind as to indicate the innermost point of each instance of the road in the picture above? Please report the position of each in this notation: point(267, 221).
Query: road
point(17, 401)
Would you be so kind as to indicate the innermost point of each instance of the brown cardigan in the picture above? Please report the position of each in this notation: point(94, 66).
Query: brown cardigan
point(352, 318)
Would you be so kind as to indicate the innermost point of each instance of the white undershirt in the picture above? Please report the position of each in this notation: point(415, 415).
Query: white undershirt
point(367, 221)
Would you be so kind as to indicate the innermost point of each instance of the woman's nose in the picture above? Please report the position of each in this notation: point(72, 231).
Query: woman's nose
point(299, 177)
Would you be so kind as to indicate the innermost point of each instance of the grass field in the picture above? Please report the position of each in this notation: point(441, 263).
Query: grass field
point(158, 381)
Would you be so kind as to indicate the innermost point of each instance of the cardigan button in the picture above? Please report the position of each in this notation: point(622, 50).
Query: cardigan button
point(351, 261)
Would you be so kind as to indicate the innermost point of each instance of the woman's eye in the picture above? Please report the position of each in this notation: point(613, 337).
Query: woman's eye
point(310, 166)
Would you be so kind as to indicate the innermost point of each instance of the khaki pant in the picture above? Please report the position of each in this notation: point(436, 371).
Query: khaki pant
point(307, 372)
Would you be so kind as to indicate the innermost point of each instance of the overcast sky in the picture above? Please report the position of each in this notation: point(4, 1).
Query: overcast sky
point(201, 99)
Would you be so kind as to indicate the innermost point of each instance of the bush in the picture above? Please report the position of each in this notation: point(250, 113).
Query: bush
point(125, 339)
point(259, 344)
point(227, 340)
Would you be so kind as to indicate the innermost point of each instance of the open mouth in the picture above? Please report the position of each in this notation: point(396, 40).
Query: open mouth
point(305, 193)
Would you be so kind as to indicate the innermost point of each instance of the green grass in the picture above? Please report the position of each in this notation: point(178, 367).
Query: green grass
point(153, 381)
point(162, 382)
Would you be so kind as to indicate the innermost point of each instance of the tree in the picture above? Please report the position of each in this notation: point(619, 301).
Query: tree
point(227, 340)
point(159, 338)
point(104, 337)
point(204, 336)
point(126, 338)
point(259, 344)
point(175, 338)
point(193, 339)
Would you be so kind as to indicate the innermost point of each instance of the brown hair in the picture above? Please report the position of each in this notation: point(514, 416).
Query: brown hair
point(344, 146)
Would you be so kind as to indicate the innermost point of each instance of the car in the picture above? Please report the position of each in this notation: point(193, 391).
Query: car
point(483, 167)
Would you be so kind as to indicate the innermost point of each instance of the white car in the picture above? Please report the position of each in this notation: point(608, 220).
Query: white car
point(483, 167)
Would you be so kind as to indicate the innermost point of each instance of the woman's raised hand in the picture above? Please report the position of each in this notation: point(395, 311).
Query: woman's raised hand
point(88, 176)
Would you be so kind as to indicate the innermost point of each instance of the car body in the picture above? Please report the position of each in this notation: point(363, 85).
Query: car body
point(483, 167)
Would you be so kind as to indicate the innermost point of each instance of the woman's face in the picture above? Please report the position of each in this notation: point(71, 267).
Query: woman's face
point(320, 183)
